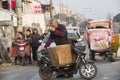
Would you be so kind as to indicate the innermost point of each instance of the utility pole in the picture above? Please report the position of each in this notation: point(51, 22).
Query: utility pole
point(60, 12)
point(10, 3)
point(0, 3)
point(51, 14)
point(19, 15)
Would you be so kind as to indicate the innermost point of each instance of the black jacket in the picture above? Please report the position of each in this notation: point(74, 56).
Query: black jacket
point(35, 40)
point(59, 36)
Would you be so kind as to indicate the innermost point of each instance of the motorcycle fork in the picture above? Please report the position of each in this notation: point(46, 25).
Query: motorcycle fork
point(84, 63)
point(81, 61)
point(78, 62)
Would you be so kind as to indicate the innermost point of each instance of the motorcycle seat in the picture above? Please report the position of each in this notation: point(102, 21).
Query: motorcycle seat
point(80, 48)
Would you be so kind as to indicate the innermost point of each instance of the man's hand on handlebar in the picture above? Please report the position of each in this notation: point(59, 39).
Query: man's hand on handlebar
point(43, 48)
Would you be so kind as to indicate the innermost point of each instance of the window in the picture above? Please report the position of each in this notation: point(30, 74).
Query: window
point(5, 4)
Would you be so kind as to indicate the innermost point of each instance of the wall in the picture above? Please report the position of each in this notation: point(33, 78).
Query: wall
point(7, 21)
point(6, 15)
point(30, 16)
point(29, 19)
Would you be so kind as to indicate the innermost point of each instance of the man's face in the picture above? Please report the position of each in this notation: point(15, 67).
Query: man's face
point(27, 32)
point(35, 31)
point(54, 24)
point(20, 36)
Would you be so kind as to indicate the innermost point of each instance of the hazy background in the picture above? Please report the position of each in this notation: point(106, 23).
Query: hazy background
point(95, 9)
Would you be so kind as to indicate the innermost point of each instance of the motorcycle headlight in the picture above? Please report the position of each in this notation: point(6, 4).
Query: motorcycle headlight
point(39, 58)
point(82, 56)
point(21, 48)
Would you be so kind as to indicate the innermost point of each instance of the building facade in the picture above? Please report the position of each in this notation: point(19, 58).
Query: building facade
point(33, 16)
point(8, 21)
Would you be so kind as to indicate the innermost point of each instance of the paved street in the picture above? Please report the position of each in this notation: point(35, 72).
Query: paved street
point(26, 25)
point(106, 71)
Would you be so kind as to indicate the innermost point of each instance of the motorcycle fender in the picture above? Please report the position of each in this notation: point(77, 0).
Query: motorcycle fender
point(89, 61)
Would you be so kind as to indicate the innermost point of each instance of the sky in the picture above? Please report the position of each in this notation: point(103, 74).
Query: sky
point(94, 9)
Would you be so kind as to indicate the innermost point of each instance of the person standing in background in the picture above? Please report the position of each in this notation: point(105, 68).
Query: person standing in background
point(35, 37)
point(13, 5)
point(45, 33)
point(28, 36)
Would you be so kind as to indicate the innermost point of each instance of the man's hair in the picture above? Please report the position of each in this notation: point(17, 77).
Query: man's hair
point(35, 29)
point(28, 30)
point(55, 21)
point(21, 33)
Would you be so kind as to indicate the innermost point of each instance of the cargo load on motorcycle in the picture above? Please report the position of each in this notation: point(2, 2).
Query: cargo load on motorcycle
point(61, 55)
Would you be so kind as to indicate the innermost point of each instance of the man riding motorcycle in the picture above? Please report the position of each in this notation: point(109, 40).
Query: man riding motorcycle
point(58, 34)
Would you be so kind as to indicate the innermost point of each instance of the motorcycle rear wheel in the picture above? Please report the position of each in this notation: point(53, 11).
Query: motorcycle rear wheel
point(110, 56)
point(88, 71)
point(23, 61)
point(44, 72)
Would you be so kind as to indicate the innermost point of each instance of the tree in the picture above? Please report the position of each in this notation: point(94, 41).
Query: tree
point(63, 18)
point(83, 25)
point(116, 18)
point(60, 16)
point(72, 20)
point(109, 17)
point(117, 26)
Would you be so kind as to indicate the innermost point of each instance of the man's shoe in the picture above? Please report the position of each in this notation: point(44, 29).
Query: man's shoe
point(60, 75)
point(30, 62)
point(15, 63)
point(38, 62)
point(69, 75)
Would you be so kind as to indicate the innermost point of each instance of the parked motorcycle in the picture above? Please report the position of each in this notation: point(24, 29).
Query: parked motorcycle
point(87, 69)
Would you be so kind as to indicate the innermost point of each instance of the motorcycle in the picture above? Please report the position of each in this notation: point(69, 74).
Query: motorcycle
point(22, 56)
point(87, 69)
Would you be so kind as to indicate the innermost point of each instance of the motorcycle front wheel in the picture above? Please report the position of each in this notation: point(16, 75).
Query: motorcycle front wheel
point(88, 71)
point(44, 72)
